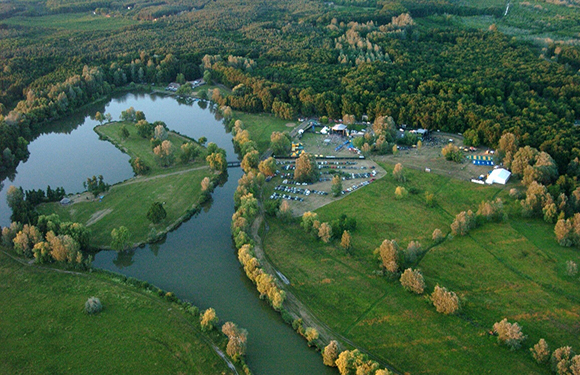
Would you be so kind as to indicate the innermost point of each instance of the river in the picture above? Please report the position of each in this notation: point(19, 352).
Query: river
point(197, 261)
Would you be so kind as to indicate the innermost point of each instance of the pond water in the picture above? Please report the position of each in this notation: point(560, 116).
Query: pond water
point(197, 261)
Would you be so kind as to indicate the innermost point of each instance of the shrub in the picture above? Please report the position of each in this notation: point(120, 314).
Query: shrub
point(445, 302)
point(541, 351)
point(509, 334)
point(93, 306)
point(412, 280)
point(452, 152)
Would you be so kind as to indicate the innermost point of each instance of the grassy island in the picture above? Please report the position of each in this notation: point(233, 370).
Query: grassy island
point(177, 187)
point(46, 330)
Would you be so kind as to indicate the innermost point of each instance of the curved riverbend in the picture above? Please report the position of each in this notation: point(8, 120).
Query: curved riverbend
point(197, 261)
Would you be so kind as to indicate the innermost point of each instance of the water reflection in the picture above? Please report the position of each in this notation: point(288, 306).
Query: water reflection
point(124, 259)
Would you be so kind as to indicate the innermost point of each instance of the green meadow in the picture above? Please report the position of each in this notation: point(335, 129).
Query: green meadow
point(45, 330)
point(514, 269)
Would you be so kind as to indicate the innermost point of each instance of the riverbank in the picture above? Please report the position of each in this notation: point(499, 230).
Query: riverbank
point(46, 330)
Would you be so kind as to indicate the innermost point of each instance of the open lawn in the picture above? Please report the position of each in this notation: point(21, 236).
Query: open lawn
point(72, 21)
point(127, 204)
point(44, 329)
point(513, 270)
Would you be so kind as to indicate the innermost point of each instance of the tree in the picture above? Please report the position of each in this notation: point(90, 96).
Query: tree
point(306, 168)
point(509, 334)
point(463, 223)
point(205, 184)
point(217, 162)
point(412, 280)
point(207, 77)
point(268, 167)
point(507, 148)
point(413, 249)
point(208, 320)
point(250, 161)
point(400, 192)
point(284, 211)
point(445, 302)
point(325, 232)
point(330, 353)
point(398, 173)
point(452, 153)
point(561, 360)
point(280, 143)
point(390, 255)
point(120, 238)
point(308, 219)
point(99, 117)
point(437, 235)
point(311, 335)
point(139, 166)
point(336, 185)
point(156, 213)
point(345, 241)
point(123, 132)
point(165, 153)
point(160, 133)
point(238, 338)
point(354, 362)
point(541, 351)
point(128, 115)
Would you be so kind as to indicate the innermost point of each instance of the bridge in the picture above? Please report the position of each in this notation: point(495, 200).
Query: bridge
point(233, 164)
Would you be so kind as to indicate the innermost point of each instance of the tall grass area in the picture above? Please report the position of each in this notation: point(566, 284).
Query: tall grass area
point(513, 270)
point(44, 329)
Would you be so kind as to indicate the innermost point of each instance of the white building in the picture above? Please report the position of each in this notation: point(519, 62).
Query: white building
point(498, 176)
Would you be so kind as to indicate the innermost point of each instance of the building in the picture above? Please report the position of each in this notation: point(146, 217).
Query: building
point(498, 176)
point(173, 86)
point(340, 129)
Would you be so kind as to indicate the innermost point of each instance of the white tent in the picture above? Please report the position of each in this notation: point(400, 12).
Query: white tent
point(498, 176)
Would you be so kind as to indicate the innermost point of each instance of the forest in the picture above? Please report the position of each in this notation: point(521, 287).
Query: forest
point(398, 58)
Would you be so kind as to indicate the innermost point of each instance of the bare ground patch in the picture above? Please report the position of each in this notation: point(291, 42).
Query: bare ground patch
point(98, 216)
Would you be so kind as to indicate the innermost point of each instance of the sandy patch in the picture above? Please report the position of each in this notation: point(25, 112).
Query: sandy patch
point(291, 124)
point(98, 216)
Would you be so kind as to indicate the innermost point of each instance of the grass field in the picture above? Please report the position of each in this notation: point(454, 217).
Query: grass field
point(513, 269)
point(126, 204)
point(260, 126)
point(44, 329)
point(72, 21)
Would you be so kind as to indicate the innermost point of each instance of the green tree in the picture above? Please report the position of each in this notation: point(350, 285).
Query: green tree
point(306, 168)
point(123, 132)
point(336, 185)
point(280, 143)
point(99, 117)
point(156, 213)
point(120, 238)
